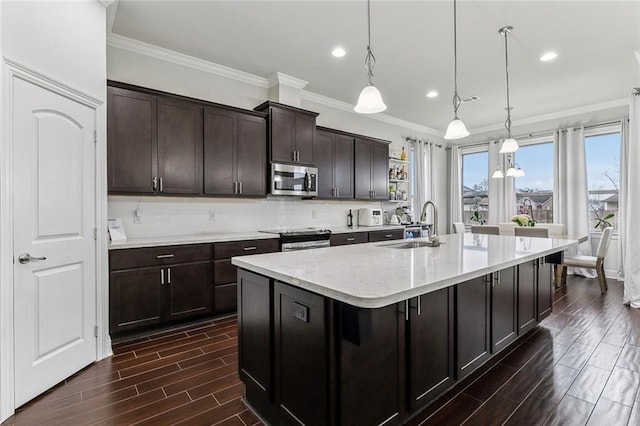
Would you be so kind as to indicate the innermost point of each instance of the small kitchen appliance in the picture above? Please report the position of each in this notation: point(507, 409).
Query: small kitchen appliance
point(369, 217)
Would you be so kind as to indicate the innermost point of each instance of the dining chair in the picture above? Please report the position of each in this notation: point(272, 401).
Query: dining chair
point(531, 231)
point(485, 229)
point(458, 227)
point(590, 262)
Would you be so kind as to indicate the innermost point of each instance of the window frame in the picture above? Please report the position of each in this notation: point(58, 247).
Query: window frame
point(539, 140)
point(475, 149)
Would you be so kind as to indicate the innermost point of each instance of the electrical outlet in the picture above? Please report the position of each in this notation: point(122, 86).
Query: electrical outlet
point(212, 216)
point(137, 216)
point(314, 214)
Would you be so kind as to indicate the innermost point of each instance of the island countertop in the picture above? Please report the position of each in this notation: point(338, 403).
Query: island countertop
point(375, 275)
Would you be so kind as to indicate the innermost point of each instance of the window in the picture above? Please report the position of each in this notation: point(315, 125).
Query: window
point(602, 153)
point(534, 191)
point(475, 188)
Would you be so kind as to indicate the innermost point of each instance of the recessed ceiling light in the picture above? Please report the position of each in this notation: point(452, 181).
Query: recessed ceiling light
point(432, 94)
point(338, 52)
point(549, 56)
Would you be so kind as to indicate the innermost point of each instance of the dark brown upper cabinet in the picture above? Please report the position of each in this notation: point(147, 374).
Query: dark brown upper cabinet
point(235, 148)
point(291, 133)
point(371, 169)
point(154, 143)
point(333, 156)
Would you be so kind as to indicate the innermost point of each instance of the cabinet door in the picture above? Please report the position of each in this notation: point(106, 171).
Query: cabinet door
point(283, 123)
point(527, 296)
point(323, 149)
point(225, 298)
point(362, 169)
point(430, 346)
point(301, 364)
point(370, 363)
point(190, 289)
point(219, 137)
point(503, 309)
point(131, 141)
point(473, 325)
point(545, 282)
point(135, 299)
point(251, 155)
point(343, 166)
point(179, 146)
point(380, 171)
point(305, 129)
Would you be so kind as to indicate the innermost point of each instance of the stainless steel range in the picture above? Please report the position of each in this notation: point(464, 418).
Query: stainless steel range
point(303, 239)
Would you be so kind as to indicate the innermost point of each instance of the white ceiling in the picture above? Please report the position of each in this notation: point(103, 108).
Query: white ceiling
point(596, 43)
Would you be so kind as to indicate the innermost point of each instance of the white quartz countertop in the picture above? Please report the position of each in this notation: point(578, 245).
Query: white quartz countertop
point(374, 275)
point(345, 229)
point(191, 239)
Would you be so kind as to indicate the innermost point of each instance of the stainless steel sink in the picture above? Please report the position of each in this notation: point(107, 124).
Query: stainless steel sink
point(409, 245)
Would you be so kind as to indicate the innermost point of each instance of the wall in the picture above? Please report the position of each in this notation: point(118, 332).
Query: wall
point(154, 68)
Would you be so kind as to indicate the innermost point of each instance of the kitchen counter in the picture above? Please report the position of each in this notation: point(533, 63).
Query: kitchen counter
point(345, 229)
point(374, 275)
point(190, 239)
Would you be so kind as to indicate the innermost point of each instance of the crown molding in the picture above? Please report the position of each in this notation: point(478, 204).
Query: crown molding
point(106, 3)
point(286, 80)
point(555, 115)
point(111, 16)
point(136, 46)
point(345, 106)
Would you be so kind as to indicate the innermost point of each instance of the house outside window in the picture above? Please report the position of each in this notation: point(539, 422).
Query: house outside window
point(475, 188)
point(534, 191)
point(602, 152)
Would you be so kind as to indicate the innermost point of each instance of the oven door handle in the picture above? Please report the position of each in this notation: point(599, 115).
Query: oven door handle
point(307, 180)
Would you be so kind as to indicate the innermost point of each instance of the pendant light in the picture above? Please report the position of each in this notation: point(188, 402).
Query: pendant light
point(370, 100)
point(509, 144)
point(456, 128)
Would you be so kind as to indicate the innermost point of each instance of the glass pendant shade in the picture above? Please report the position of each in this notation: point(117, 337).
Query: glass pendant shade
point(519, 172)
point(497, 174)
point(370, 101)
point(456, 130)
point(511, 171)
point(509, 145)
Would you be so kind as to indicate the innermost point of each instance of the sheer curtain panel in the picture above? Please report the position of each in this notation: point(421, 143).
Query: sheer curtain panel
point(570, 188)
point(630, 175)
point(422, 151)
point(502, 192)
point(455, 189)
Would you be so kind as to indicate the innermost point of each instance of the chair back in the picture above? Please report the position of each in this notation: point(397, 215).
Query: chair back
point(485, 229)
point(605, 239)
point(531, 231)
point(458, 227)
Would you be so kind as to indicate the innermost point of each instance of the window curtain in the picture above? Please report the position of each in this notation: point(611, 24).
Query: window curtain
point(571, 206)
point(630, 177)
point(502, 192)
point(622, 195)
point(423, 154)
point(455, 189)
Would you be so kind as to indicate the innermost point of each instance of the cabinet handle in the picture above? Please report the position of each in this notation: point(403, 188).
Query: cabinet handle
point(388, 235)
point(168, 275)
point(164, 256)
point(419, 310)
point(293, 156)
point(154, 184)
point(338, 191)
point(161, 186)
point(240, 187)
point(406, 310)
point(249, 248)
point(351, 239)
point(162, 276)
point(333, 192)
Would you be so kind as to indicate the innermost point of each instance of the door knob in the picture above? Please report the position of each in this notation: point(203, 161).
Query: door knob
point(26, 258)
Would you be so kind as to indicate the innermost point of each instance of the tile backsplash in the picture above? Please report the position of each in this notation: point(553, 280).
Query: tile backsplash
point(173, 216)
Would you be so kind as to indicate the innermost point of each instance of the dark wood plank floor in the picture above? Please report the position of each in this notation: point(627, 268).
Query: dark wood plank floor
point(581, 366)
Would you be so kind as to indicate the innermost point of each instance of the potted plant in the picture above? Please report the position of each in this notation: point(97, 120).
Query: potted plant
point(523, 220)
point(602, 222)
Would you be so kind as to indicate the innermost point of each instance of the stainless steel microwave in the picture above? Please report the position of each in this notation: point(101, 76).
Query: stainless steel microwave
point(287, 179)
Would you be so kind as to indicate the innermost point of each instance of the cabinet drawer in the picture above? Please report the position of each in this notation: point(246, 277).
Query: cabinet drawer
point(224, 272)
point(349, 238)
point(152, 256)
point(239, 248)
point(225, 297)
point(392, 234)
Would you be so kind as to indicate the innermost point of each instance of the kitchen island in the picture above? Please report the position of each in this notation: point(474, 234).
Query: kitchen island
point(371, 334)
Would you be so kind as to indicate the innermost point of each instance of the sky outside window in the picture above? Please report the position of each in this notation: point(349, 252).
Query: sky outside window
point(537, 163)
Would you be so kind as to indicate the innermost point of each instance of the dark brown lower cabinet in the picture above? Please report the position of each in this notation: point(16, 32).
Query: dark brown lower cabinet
point(371, 349)
point(504, 309)
point(545, 286)
point(527, 295)
point(430, 346)
point(190, 287)
point(135, 299)
point(349, 238)
point(301, 355)
point(386, 235)
point(473, 328)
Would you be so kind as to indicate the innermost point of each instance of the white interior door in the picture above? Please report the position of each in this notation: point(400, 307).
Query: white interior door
point(54, 219)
